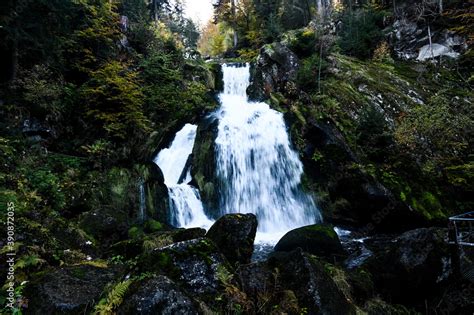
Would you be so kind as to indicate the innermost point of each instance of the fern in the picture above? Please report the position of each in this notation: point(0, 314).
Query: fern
point(113, 300)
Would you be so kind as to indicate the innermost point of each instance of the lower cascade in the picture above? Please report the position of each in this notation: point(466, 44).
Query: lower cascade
point(257, 169)
point(186, 206)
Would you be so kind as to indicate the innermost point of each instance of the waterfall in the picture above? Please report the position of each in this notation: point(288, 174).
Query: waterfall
point(186, 206)
point(259, 171)
point(142, 201)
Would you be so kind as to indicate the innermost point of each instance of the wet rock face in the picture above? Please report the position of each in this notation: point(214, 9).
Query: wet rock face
point(156, 193)
point(234, 234)
point(158, 295)
point(71, 290)
point(276, 67)
point(319, 239)
point(412, 266)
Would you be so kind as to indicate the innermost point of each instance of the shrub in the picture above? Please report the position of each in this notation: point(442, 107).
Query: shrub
point(361, 32)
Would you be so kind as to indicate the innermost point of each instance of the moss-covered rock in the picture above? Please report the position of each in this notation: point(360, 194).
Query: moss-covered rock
point(158, 295)
point(275, 70)
point(71, 290)
point(318, 239)
point(195, 264)
point(298, 272)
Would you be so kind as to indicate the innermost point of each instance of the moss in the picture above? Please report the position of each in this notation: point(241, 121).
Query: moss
point(135, 232)
point(153, 226)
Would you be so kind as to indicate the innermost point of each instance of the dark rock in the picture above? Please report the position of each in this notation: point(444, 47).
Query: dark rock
point(158, 295)
point(356, 198)
point(36, 130)
point(68, 290)
point(412, 266)
point(276, 67)
point(234, 234)
point(156, 193)
point(300, 273)
point(318, 239)
point(134, 247)
point(311, 283)
point(106, 225)
point(203, 165)
point(195, 264)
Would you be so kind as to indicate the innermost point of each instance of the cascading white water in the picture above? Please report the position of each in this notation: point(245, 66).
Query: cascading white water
point(186, 206)
point(259, 171)
point(142, 201)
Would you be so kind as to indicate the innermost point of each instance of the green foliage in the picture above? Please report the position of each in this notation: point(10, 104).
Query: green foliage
point(361, 31)
point(153, 226)
point(438, 131)
point(302, 42)
point(113, 100)
point(114, 298)
point(308, 73)
point(373, 133)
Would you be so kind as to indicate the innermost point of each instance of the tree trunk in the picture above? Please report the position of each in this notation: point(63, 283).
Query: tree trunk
point(14, 55)
point(429, 38)
point(234, 24)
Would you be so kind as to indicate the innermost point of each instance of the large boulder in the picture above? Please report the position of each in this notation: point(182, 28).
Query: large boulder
point(194, 264)
point(275, 70)
point(410, 267)
point(67, 290)
point(147, 243)
point(158, 295)
point(302, 277)
point(318, 239)
point(234, 234)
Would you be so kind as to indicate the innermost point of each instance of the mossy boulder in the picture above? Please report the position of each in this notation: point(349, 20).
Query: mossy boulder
point(275, 68)
point(194, 264)
point(67, 290)
point(234, 234)
point(318, 239)
point(146, 243)
point(158, 295)
point(307, 283)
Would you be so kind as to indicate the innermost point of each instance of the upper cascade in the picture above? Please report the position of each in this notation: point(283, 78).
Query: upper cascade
point(258, 170)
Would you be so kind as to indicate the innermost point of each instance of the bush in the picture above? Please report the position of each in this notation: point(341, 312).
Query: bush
point(361, 32)
point(308, 74)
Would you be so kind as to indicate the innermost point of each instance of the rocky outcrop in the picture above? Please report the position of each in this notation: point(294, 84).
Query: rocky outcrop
point(68, 290)
point(412, 266)
point(414, 24)
point(234, 234)
point(319, 239)
point(276, 69)
point(156, 193)
point(195, 264)
point(299, 275)
point(203, 163)
point(158, 295)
